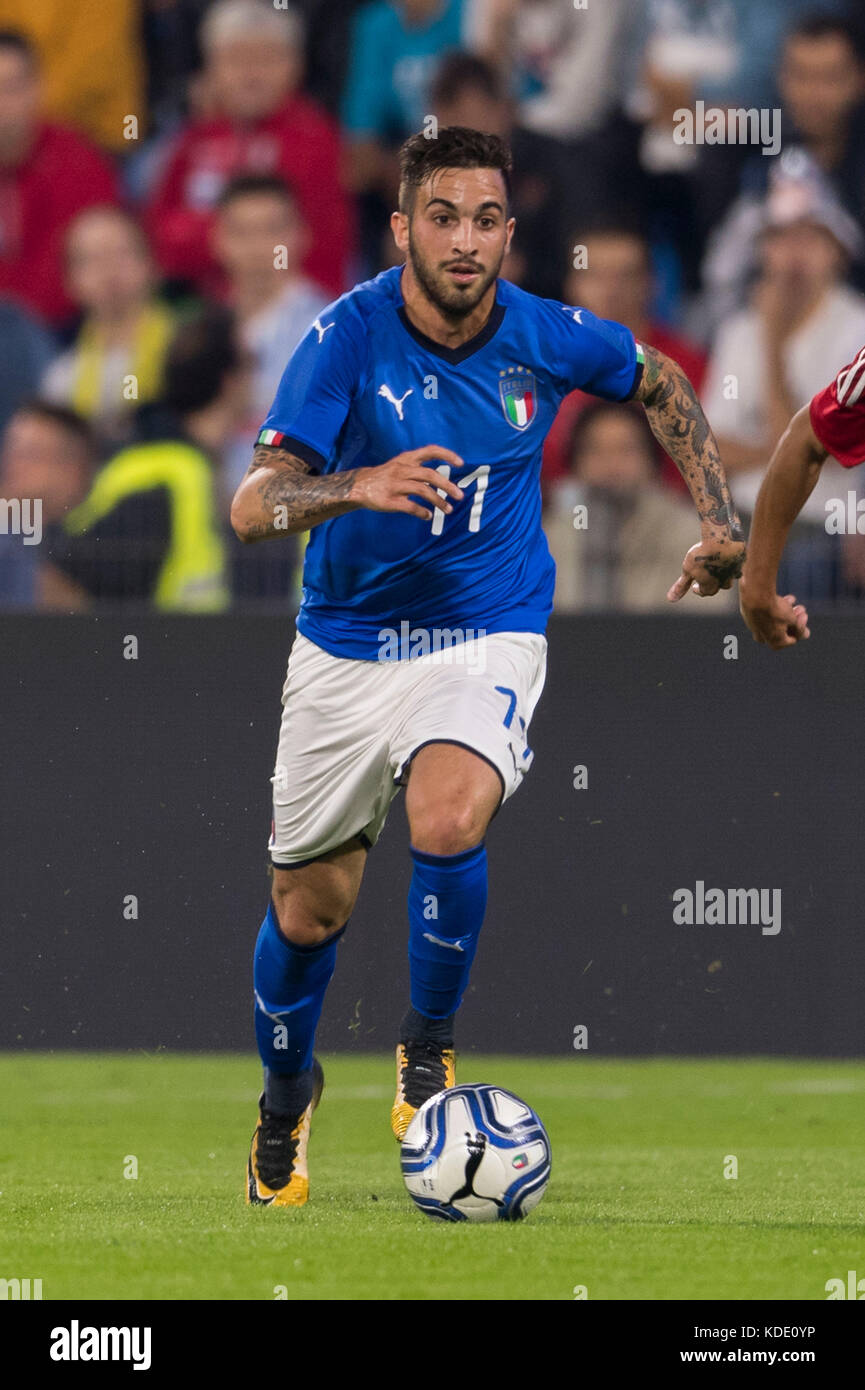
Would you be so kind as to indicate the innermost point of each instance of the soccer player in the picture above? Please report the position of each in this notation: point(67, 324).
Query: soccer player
point(832, 425)
point(406, 434)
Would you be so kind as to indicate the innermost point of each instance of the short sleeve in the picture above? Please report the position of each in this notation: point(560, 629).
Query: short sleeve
point(595, 355)
point(317, 388)
point(838, 414)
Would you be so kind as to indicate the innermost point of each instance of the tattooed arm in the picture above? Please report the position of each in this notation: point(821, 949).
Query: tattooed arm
point(280, 494)
point(681, 428)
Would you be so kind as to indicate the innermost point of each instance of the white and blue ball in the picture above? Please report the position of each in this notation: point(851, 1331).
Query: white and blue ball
point(476, 1153)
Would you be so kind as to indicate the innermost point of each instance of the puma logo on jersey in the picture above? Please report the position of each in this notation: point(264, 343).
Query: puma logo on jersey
point(389, 396)
point(321, 331)
point(576, 314)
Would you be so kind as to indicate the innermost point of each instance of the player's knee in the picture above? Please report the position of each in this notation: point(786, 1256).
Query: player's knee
point(448, 828)
point(304, 922)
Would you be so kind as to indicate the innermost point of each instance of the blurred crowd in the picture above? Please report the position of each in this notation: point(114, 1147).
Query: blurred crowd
point(185, 184)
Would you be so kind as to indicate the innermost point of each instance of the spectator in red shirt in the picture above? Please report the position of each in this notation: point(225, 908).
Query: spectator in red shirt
point(613, 279)
point(254, 121)
point(48, 173)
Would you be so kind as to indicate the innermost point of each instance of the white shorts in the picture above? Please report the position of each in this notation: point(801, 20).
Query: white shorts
point(350, 729)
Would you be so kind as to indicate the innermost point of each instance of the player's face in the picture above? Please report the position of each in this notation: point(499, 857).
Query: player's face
point(457, 236)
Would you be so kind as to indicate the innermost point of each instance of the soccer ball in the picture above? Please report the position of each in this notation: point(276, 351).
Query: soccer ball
point(476, 1153)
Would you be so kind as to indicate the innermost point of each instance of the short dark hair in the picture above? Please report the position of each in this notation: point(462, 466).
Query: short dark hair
point(454, 147)
point(460, 70)
point(19, 43)
point(203, 351)
point(826, 26)
point(64, 418)
point(253, 185)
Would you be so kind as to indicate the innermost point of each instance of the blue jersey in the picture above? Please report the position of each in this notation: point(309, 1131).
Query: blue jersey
point(365, 384)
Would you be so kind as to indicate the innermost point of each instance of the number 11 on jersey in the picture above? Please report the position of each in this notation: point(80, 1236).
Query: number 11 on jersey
point(480, 478)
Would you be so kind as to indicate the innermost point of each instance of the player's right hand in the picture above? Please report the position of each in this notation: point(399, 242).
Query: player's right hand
point(391, 486)
point(775, 621)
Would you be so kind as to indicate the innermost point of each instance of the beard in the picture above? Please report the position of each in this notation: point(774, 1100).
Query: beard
point(454, 301)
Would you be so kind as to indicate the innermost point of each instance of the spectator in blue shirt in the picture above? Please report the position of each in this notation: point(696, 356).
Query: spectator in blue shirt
point(396, 46)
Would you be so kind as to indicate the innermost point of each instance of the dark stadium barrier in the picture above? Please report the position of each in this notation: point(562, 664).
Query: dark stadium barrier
point(136, 813)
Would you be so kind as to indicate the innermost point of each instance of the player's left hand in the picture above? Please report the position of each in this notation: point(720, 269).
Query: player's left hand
point(707, 567)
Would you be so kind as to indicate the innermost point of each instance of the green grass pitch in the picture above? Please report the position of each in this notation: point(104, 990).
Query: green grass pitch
point(638, 1206)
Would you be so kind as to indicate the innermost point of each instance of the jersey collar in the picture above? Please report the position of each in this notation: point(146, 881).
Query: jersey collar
point(466, 349)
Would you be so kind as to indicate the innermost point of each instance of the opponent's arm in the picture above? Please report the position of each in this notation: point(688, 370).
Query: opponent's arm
point(681, 428)
point(790, 479)
point(280, 494)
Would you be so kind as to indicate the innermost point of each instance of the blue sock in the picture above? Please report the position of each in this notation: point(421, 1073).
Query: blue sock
point(446, 904)
point(290, 983)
